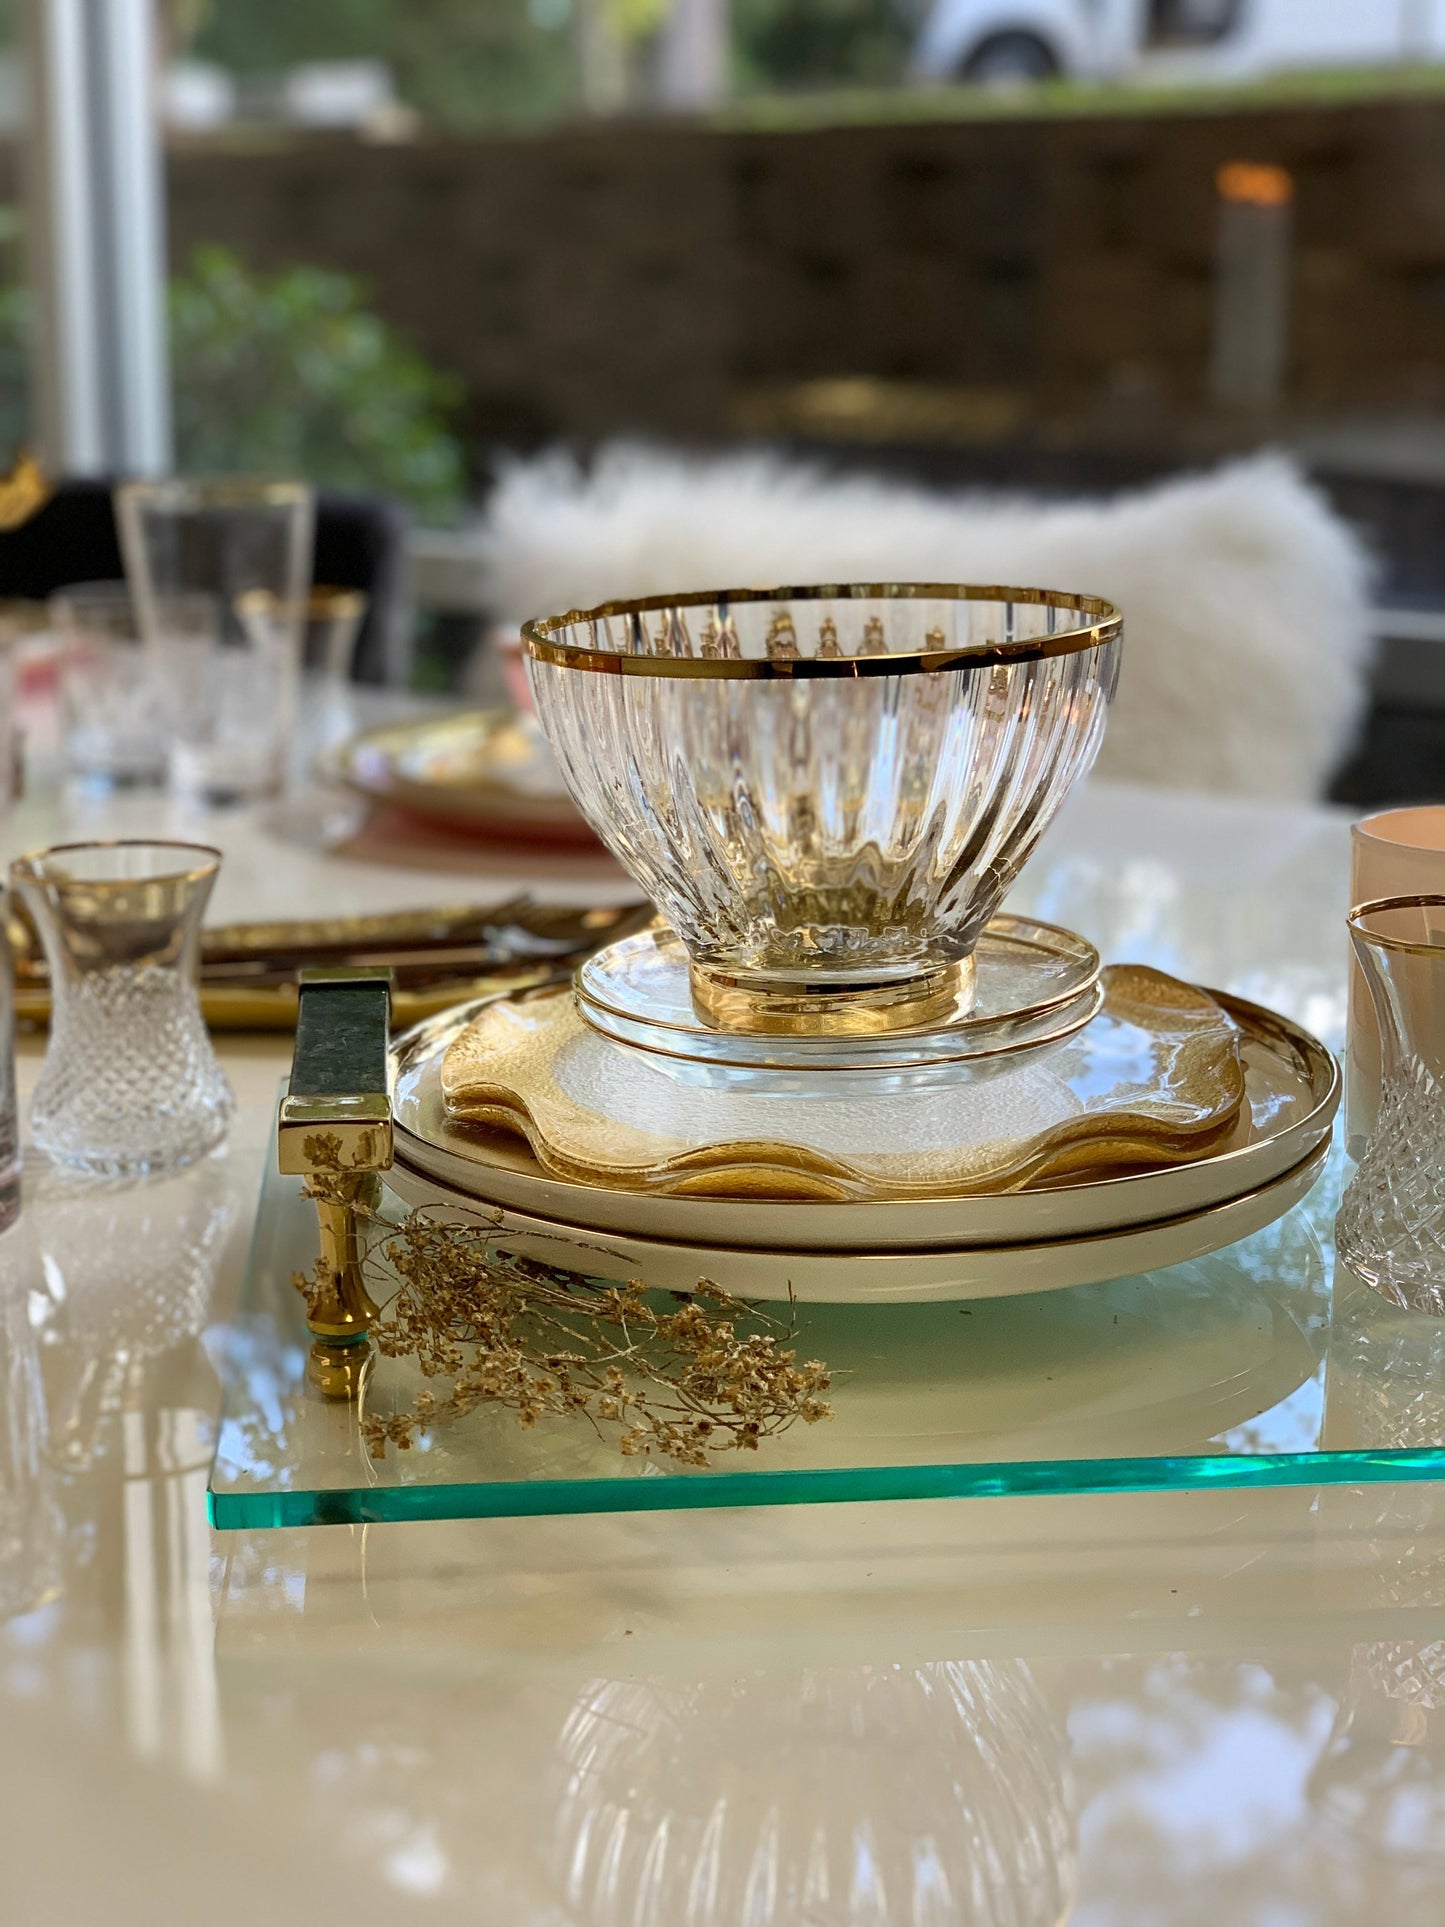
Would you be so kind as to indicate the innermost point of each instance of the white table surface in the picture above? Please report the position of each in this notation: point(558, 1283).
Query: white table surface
point(1111, 1710)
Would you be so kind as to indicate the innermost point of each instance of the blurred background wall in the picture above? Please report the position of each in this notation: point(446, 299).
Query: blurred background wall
point(1059, 244)
point(1042, 278)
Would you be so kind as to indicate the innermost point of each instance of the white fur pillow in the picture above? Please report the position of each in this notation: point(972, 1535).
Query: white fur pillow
point(1244, 596)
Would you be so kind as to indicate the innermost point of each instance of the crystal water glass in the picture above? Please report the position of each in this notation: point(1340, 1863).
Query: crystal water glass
point(113, 709)
point(130, 1083)
point(230, 713)
point(1390, 1229)
point(330, 621)
point(235, 704)
point(9, 1113)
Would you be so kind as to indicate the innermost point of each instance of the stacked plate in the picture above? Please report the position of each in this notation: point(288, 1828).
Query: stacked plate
point(487, 770)
point(1180, 1180)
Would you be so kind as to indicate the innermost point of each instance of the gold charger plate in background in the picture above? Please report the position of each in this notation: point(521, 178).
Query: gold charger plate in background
point(487, 770)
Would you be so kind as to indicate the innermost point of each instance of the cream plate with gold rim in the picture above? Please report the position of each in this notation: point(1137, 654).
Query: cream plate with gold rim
point(910, 1276)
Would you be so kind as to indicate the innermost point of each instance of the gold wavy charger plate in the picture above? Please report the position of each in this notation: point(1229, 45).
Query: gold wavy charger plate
point(1292, 1087)
point(1154, 1078)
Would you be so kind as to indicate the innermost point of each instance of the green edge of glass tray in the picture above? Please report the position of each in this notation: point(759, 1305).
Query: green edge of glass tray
point(1256, 1366)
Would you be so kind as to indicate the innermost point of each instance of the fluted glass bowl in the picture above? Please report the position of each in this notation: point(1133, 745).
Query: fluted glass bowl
point(826, 790)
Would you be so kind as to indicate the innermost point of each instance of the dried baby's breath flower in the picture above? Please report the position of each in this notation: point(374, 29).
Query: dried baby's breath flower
point(683, 1377)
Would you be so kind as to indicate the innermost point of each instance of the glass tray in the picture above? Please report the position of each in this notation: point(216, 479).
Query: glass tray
point(1257, 1366)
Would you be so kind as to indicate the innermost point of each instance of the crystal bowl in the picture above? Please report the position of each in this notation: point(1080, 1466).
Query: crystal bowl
point(826, 791)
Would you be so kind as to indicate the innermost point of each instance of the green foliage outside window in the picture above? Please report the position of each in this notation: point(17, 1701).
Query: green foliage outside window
point(291, 374)
point(787, 44)
point(466, 65)
point(462, 64)
point(286, 374)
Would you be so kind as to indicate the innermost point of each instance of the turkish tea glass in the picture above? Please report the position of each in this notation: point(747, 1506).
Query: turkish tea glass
point(1395, 853)
point(130, 1084)
point(1390, 1229)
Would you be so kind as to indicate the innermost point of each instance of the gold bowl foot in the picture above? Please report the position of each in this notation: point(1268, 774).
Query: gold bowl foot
point(852, 1007)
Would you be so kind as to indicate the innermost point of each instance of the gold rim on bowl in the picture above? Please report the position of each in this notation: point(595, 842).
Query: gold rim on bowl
point(538, 636)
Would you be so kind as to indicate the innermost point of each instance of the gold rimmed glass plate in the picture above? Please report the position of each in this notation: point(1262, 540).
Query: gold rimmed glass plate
point(1032, 984)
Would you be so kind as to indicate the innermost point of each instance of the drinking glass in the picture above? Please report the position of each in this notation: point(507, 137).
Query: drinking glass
point(9, 1115)
point(236, 540)
point(330, 622)
point(112, 708)
point(1390, 1229)
point(130, 1083)
point(1395, 853)
point(230, 712)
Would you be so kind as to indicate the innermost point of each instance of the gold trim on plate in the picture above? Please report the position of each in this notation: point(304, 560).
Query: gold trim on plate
point(508, 1176)
point(915, 1274)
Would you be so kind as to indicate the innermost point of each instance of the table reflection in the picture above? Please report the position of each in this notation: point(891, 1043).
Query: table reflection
point(114, 1396)
point(31, 1526)
point(930, 1793)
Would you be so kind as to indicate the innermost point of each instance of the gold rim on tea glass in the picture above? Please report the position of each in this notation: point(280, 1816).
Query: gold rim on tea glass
point(658, 655)
point(1364, 915)
point(33, 866)
point(131, 900)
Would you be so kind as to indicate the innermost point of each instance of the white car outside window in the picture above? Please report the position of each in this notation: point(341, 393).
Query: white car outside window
point(996, 41)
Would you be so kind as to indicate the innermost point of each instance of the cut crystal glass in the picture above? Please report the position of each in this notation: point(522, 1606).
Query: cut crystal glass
point(1391, 1225)
point(130, 1083)
point(827, 791)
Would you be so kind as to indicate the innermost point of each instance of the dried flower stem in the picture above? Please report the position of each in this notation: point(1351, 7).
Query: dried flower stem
point(706, 1374)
